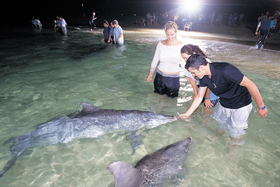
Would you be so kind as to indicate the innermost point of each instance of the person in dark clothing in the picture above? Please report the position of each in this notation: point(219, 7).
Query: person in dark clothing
point(106, 32)
point(263, 29)
point(234, 90)
point(92, 24)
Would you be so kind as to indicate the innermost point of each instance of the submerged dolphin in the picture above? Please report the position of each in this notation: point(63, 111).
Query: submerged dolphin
point(89, 122)
point(157, 169)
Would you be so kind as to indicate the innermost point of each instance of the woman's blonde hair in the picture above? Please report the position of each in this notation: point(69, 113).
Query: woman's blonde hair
point(171, 25)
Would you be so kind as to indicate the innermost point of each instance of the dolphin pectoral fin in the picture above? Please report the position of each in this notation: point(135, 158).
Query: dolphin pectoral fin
point(182, 172)
point(125, 174)
point(135, 140)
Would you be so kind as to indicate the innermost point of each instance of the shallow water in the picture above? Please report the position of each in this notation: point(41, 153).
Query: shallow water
point(44, 76)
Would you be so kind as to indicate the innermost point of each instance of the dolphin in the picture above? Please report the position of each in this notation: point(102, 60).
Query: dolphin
point(160, 168)
point(88, 121)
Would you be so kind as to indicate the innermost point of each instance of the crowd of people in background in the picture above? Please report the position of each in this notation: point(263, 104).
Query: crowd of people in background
point(113, 32)
point(195, 22)
point(153, 19)
point(267, 25)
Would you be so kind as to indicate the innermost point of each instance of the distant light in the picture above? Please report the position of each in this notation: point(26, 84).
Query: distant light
point(191, 5)
point(83, 5)
point(121, 14)
point(134, 14)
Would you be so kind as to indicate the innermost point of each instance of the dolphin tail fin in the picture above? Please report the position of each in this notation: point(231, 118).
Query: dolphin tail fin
point(10, 163)
point(125, 174)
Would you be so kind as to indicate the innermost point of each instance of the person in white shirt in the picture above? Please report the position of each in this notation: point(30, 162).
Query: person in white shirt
point(169, 57)
point(118, 33)
point(63, 25)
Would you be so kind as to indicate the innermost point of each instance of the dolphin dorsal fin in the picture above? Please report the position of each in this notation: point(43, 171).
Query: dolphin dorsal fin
point(89, 108)
point(125, 174)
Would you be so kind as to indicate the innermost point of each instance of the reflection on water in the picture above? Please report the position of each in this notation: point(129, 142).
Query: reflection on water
point(44, 76)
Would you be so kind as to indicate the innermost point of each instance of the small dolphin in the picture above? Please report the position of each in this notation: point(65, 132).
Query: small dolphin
point(157, 169)
point(88, 122)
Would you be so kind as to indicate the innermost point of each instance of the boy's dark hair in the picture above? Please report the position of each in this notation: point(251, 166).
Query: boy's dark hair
point(105, 21)
point(195, 61)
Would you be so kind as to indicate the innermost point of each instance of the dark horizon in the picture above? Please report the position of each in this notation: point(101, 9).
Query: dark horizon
point(23, 11)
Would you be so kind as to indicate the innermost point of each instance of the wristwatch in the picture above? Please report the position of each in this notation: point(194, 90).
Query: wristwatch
point(262, 108)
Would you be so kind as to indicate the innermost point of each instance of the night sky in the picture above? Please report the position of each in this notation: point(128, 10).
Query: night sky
point(19, 12)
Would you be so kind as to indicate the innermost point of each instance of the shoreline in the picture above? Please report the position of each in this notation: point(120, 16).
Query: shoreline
point(242, 34)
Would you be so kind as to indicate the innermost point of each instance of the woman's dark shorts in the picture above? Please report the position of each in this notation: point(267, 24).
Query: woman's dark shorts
point(167, 84)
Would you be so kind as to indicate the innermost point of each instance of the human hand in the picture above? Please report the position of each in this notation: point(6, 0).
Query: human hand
point(262, 112)
point(208, 103)
point(183, 116)
point(149, 78)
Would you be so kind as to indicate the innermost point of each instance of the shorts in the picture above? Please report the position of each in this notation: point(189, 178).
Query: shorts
point(166, 84)
point(233, 121)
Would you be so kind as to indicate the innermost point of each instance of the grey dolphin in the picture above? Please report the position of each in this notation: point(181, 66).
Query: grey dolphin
point(156, 169)
point(88, 122)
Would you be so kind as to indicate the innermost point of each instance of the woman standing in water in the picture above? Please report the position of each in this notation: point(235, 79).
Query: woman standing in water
point(210, 99)
point(168, 54)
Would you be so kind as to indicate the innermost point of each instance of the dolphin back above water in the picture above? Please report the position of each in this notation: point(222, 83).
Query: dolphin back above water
point(88, 122)
point(160, 168)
